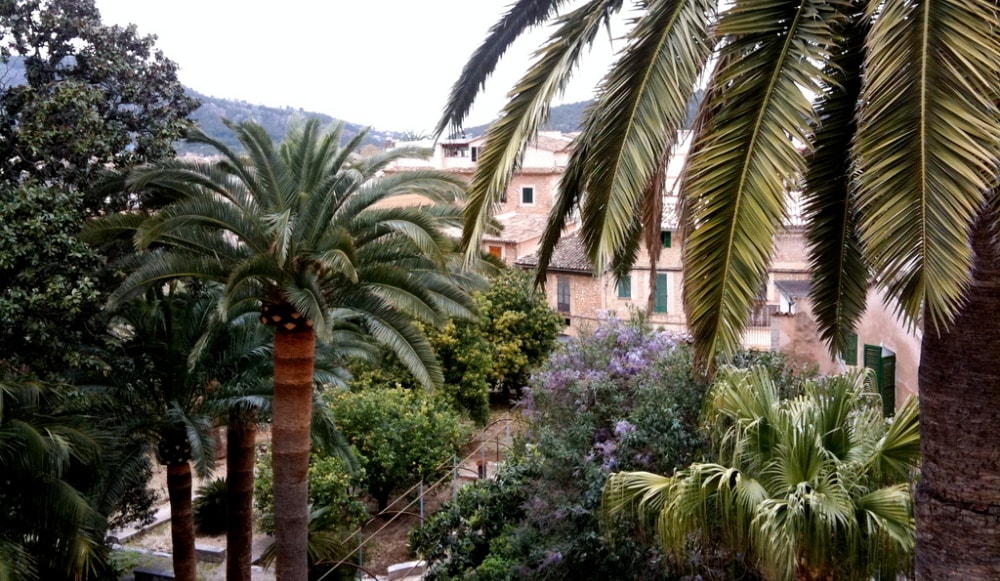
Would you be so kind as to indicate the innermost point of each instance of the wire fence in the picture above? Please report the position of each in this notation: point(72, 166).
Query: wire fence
point(458, 469)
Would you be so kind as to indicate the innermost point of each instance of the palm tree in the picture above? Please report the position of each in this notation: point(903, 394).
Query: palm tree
point(885, 112)
point(240, 354)
point(812, 488)
point(48, 527)
point(298, 228)
point(163, 398)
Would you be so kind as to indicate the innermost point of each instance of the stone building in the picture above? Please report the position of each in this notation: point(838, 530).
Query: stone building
point(781, 319)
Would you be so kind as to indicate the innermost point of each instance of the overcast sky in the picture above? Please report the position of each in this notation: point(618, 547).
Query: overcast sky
point(386, 63)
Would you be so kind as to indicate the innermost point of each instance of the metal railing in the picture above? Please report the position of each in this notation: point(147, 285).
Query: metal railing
point(454, 474)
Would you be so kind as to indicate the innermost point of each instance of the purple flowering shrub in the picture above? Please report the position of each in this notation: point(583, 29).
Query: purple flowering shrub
point(620, 398)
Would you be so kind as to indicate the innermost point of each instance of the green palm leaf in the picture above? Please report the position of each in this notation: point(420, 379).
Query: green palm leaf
point(521, 17)
point(839, 272)
point(926, 147)
point(526, 110)
point(746, 159)
point(629, 132)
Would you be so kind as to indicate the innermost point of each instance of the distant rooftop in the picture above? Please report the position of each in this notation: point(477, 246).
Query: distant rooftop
point(569, 255)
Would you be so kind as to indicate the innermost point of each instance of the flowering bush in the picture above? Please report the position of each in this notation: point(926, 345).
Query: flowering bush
point(622, 397)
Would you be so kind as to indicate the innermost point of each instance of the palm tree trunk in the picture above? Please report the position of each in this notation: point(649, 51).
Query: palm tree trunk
point(182, 521)
point(240, 444)
point(294, 354)
point(958, 496)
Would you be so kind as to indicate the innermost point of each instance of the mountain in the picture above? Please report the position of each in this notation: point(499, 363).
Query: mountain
point(563, 118)
point(274, 120)
point(566, 118)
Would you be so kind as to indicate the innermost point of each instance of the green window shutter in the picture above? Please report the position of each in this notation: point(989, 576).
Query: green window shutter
point(625, 287)
point(665, 238)
point(888, 391)
point(661, 293)
point(883, 362)
point(527, 195)
point(850, 353)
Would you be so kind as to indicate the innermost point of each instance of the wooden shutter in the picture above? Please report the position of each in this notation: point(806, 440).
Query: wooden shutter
point(661, 293)
point(850, 353)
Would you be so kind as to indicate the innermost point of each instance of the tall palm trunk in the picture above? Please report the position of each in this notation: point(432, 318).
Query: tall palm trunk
point(181, 521)
point(958, 496)
point(294, 353)
point(240, 443)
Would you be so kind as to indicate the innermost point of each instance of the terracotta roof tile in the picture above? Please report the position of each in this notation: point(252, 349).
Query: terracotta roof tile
point(569, 255)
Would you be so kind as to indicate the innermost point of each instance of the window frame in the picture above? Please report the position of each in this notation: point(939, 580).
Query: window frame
point(532, 190)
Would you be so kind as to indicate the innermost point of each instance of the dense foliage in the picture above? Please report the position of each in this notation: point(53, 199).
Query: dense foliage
point(520, 326)
point(400, 435)
point(332, 486)
point(621, 398)
point(49, 288)
point(92, 95)
point(813, 487)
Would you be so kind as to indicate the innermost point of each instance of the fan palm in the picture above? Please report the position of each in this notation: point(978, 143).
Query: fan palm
point(884, 112)
point(298, 228)
point(812, 488)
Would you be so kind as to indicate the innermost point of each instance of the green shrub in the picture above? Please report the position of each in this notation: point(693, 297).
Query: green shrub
point(622, 397)
point(401, 435)
point(522, 328)
point(210, 508)
point(331, 486)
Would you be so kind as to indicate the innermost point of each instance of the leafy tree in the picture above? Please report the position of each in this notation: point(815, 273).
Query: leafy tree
point(401, 435)
point(77, 97)
point(466, 363)
point(50, 289)
point(91, 96)
point(520, 325)
point(297, 228)
point(815, 487)
point(897, 155)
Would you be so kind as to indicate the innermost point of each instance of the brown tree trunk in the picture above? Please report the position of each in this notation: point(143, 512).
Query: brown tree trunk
point(294, 354)
point(182, 521)
point(240, 444)
point(958, 496)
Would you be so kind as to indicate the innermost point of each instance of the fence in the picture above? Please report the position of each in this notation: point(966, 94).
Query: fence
point(454, 473)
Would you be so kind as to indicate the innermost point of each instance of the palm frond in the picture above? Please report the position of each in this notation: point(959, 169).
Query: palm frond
point(926, 148)
point(526, 110)
point(743, 164)
point(839, 273)
point(520, 17)
point(631, 129)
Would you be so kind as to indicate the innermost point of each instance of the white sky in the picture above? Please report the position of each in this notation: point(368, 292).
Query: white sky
point(386, 63)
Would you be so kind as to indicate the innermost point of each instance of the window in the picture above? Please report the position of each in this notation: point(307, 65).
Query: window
point(665, 238)
point(528, 195)
point(883, 362)
point(496, 252)
point(850, 353)
point(474, 153)
point(660, 306)
point(625, 287)
point(562, 294)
